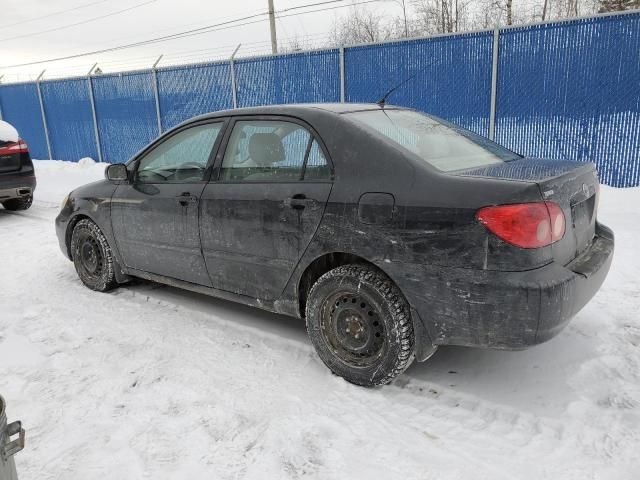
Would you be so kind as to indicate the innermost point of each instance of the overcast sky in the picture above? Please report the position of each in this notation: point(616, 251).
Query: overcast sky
point(157, 18)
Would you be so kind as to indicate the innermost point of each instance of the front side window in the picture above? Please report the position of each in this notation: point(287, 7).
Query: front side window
point(182, 158)
point(441, 145)
point(270, 151)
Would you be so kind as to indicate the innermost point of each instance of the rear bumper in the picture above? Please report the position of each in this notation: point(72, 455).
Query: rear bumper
point(509, 310)
point(16, 186)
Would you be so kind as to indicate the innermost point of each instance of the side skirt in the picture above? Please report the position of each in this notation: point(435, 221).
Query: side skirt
point(276, 307)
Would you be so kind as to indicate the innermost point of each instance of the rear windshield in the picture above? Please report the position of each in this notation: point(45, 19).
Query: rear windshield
point(440, 144)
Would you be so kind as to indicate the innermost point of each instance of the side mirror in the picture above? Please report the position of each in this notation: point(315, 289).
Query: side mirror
point(116, 173)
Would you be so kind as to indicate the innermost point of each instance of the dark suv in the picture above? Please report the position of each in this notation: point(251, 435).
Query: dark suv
point(17, 177)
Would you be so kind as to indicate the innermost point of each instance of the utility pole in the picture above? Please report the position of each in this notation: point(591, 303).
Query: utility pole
point(272, 24)
point(406, 28)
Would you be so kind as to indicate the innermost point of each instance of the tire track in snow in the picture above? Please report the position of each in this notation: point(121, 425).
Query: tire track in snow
point(29, 213)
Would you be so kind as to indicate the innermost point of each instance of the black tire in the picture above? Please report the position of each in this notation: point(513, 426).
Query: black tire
point(92, 256)
point(22, 203)
point(360, 325)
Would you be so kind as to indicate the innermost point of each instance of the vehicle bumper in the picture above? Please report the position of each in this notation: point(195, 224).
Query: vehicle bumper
point(62, 220)
point(16, 186)
point(508, 310)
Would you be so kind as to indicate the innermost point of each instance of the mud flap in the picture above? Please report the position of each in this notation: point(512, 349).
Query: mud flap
point(424, 347)
point(121, 277)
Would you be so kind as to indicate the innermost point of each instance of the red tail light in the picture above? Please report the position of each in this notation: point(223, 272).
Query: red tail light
point(14, 147)
point(525, 225)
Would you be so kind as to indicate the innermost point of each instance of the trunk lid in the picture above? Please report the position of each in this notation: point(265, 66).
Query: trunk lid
point(572, 185)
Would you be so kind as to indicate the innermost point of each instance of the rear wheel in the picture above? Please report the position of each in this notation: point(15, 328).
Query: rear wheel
point(92, 256)
point(360, 325)
point(22, 203)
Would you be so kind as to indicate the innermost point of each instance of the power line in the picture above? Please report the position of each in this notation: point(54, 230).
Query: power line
point(89, 20)
point(298, 7)
point(198, 31)
point(206, 54)
point(172, 28)
point(59, 12)
point(144, 42)
point(175, 60)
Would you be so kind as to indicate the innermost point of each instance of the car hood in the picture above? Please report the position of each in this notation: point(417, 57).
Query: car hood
point(524, 169)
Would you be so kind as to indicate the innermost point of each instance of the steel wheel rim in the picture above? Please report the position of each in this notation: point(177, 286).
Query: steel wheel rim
point(352, 328)
point(90, 256)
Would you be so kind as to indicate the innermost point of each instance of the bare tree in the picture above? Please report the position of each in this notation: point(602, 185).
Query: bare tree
point(618, 5)
point(360, 26)
point(509, 8)
point(545, 9)
point(430, 17)
point(442, 16)
point(297, 44)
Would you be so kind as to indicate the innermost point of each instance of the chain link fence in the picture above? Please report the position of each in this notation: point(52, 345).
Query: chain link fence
point(561, 90)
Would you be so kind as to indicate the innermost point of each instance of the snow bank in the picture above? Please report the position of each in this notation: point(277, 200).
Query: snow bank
point(8, 133)
point(57, 178)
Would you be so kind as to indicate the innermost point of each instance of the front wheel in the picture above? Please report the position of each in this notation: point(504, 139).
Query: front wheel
point(360, 325)
point(92, 256)
point(22, 203)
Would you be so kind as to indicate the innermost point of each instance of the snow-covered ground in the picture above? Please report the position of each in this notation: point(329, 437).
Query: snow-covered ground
point(153, 382)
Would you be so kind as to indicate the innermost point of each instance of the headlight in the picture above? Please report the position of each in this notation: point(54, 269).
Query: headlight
point(64, 202)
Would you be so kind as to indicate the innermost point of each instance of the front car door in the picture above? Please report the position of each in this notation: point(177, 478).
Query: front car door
point(265, 204)
point(155, 216)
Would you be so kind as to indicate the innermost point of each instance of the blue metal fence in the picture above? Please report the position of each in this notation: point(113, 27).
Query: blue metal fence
point(185, 92)
point(571, 90)
point(561, 90)
point(449, 77)
point(68, 112)
point(126, 112)
point(303, 77)
point(21, 107)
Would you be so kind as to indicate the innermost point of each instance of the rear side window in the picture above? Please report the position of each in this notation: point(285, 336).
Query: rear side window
point(272, 151)
point(439, 144)
point(182, 158)
point(317, 165)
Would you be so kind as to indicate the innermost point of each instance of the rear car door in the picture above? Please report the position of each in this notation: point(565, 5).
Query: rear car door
point(155, 215)
point(263, 205)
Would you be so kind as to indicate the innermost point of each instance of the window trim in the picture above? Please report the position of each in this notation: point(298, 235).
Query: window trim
point(217, 168)
point(307, 151)
point(134, 163)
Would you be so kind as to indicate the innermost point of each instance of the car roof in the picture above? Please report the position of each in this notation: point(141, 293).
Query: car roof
point(296, 108)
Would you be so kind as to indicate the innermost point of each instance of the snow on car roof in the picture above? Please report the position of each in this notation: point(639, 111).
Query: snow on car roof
point(8, 133)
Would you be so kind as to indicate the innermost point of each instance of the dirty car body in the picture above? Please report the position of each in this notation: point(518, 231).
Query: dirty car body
point(371, 199)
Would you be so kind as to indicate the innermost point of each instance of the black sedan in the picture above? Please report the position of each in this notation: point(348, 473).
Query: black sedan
point(389, 231)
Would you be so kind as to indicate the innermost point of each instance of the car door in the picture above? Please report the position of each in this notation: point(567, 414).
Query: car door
point(258, 216)
point(155, 215)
